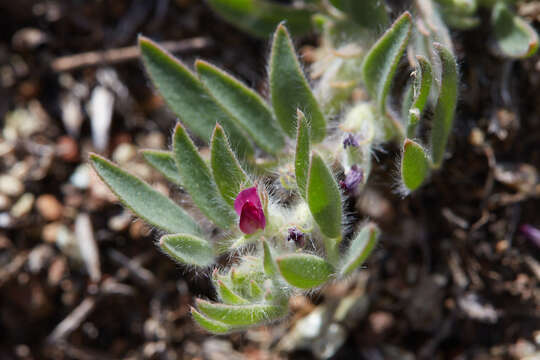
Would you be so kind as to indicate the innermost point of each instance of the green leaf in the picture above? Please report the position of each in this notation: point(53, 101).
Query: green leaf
point(249, 108)
point(163, 161)
point(414, 165)
point(443, 117)
point(304, 271)
point(289, 89)
point(228, 296)
point(361, 247)
point(260, 17)
point(187, 249)
point(324, 198)
point(270, 267)
point(228, 173)
point(188, 97)
point(367, 13)
point(198, 182)
point(515, 38)
point(421, 88)
point(303, 149)
point(241, 315)
point(147, 203)
point(255, 290)
point(380, 63)
point(213, 326)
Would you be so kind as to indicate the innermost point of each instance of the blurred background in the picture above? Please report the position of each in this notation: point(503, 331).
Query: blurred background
point(455, 276)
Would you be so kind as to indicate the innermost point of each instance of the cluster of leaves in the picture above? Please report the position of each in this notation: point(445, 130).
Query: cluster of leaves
point(298, 243)
point(514, 37)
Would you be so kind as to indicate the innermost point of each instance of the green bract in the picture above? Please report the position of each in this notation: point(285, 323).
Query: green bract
point(272, 185)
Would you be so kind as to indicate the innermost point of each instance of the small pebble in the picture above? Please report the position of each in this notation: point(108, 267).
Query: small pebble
point(10, 185)
point(4, 202)
point(120, 222)
point(57, 270)
point(67, 149)
point(23, 206)
point(49, 207)
point(39, 258)
point(50, 232)
point(124, 153)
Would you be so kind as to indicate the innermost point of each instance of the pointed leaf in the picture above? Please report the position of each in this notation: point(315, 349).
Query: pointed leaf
point(368, 13)
point(228, 296)
point(304, 271)
point(422, 87)
point(514, 36)
point(414, 165)
point(213, 326)
point(361, 247)
point(188, 98)
point(289, 89)
point(198, 182)
point(270, 268)
point(260, 17)
point(163, 161)
point(380, 63)
point(249, 108)
point(303, 149)
point(241, 315)
point(228, 173)
point(143, 200)
point(324, 198)
point(446, 105)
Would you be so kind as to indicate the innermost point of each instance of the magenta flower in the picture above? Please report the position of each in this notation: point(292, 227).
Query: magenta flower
point(248, 206)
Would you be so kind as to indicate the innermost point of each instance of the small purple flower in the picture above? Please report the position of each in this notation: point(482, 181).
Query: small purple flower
point(531, 233)
point(248, 206)
point(352, 179)
point(297, 236)
point(350, 140)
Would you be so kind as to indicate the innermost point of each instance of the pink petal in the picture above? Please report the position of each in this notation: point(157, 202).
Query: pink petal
point(251, 218)
point(249, 194)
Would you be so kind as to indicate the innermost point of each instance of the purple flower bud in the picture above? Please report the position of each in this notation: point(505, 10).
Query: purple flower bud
point(350, 140)
point(297, 236)
point(248, 206)
point(531, 233)
point(352, 179)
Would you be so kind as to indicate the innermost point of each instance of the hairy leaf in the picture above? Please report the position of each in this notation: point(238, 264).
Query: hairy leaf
point(361, 247)
point(187, 249)
point(241, 315)
point(514, 36)
point(382, 59)
point(289, 89)
point(198, 181)
point(213, 326)
point(269, 264)
point(304, 271)
point(324, 198)
point(143, 200)
point(188, 97)
point(249, 108)
point(163, 161)
point(260, 17)
point(446, 105)
point(228, 173)
point(303, 150)
point(228, 296)
point(414, 165)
